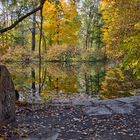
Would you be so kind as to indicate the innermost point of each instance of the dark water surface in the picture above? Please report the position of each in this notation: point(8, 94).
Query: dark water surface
point(66, 81)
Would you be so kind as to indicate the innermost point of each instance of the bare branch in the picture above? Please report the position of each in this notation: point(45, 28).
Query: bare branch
point(20, 19)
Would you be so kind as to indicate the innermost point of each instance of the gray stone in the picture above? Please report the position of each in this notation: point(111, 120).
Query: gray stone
point(98, 110)
point(129, 100)
point(118, 107)
point(7, 97)
point(111, 106)
point(82, 102)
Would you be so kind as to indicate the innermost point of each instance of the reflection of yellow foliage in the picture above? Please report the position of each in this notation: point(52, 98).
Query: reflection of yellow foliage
point(55, 70)
point(69, 84)
point(46, 94)
point(137, 26)
point(116, 85)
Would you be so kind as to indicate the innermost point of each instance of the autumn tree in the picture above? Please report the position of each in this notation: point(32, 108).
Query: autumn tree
point(91, 24)
point(61, 23)
point(12, 16)
point(122, 31)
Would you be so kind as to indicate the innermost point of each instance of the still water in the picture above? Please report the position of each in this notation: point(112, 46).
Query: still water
point(62, 81)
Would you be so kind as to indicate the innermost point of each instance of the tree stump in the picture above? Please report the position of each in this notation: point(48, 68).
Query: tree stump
point(7, 97)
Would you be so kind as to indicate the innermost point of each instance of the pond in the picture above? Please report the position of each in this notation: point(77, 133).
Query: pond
point(67, 81)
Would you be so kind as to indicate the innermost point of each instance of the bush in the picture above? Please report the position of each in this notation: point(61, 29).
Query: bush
point(62, 53)
point(17, 54)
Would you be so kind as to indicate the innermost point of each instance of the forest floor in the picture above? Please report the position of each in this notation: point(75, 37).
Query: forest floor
point(57, 121)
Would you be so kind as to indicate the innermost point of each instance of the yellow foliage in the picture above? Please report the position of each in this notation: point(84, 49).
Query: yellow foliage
point(121, 32)
point(121, 22)
point(61, 23)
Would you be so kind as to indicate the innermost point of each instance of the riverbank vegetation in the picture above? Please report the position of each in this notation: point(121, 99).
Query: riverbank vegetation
point(89, 30)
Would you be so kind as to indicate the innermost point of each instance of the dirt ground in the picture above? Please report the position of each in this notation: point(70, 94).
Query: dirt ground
point(66, 122)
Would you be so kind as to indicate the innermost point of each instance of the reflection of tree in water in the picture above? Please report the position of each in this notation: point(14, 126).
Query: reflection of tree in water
point(72, 78)
point(33, 80)
point(42, 75)
point(61, 77)
point(68, 77)
point(61, 81)
point(93, 81)
point(117, 84)
point(21, 76)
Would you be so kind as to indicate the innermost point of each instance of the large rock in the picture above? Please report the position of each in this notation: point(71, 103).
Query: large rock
point(7, 97)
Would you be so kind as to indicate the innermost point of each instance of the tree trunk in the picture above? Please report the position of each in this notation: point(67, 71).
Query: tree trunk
point(34, 32)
